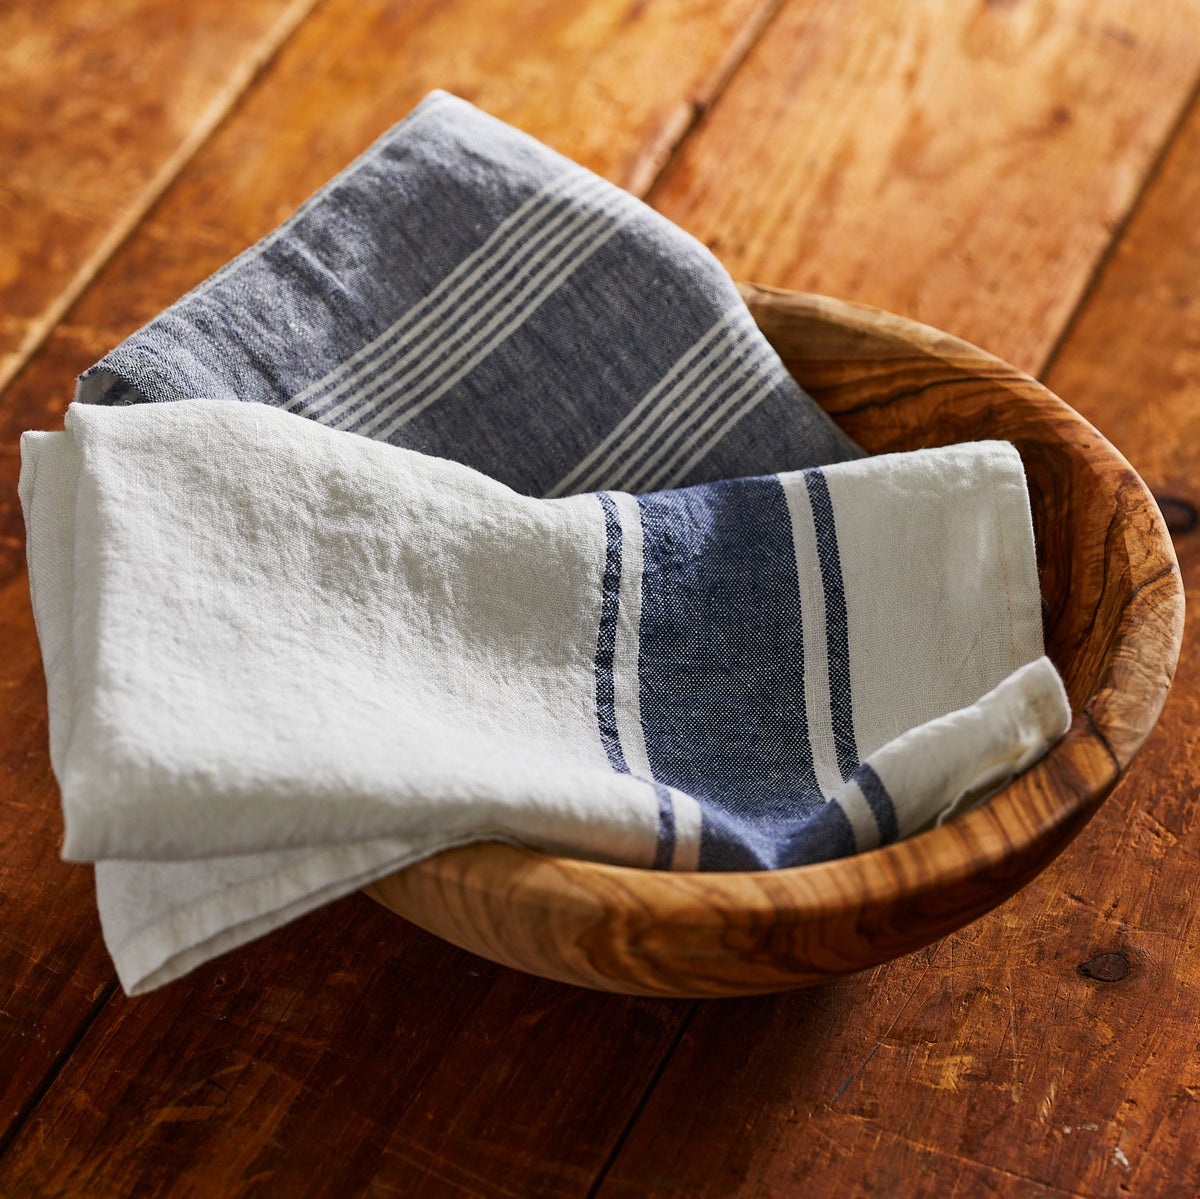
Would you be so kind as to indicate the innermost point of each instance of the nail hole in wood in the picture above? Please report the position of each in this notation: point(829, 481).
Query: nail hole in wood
point(1105, 967)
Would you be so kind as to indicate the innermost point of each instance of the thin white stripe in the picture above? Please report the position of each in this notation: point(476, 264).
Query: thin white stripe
point(687, 832)
point(648, 439)
point(466, 275)
point(627, 689)
point(447, 343)
point(645, 408)
point(487, 284)
point(626, 686)
point(522, 311)
point(766, 387)
point(858, 812)
point(701, 419)
point(716, 387)
point(814, 634)
point(641, 445)
point(412, 350)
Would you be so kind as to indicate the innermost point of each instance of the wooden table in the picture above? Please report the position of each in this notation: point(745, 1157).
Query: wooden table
point(1023, 173)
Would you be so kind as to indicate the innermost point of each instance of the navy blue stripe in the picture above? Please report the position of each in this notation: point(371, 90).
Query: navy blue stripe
point(837, 625)
point(606, 712)
point(879, 801)
point(606, 636)
point(721, 664)
point(823, 837)
point(664, 851)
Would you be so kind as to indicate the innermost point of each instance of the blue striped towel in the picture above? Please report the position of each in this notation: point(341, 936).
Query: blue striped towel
point(284, 660)
point(462, 290)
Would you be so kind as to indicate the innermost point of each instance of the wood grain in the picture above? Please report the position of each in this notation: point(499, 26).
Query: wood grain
point(953, 1065)
point(101, 103)
point(1115, 615)
point(961, 164)
point(53, 968)
point(1012, 1058)
point(356, 1056)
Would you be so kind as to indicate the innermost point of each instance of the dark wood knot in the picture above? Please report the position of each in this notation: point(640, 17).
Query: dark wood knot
point(1105, 967)
point(1180, 516)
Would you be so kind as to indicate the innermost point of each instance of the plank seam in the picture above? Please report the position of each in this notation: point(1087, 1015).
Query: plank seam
point(240, 82)
point(650, 167)
point(640, 1106)
point(218, 111)
point(33, 1101)
point(1149, 178)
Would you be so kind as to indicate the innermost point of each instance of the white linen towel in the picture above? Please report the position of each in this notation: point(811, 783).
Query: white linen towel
point(284, 660)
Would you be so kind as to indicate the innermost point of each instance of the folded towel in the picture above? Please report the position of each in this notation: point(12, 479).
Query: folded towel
point(284, 661)
point(307, 659)
point(463, 290)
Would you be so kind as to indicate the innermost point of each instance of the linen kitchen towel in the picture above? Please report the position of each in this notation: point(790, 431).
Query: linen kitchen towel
point(463, 290)
point(283, 661)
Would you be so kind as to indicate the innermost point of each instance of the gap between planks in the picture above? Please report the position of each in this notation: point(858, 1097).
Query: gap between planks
point(656, 161)
point(18, 1122)
point(240, 81)
point(640, 1106)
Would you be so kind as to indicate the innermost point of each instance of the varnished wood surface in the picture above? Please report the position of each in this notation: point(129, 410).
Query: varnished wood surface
point(965, 165)
point(354, 1055)
point(1114, 616)
point(96, 123)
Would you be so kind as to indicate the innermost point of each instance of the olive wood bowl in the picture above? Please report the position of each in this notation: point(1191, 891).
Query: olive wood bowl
point(1114, 618)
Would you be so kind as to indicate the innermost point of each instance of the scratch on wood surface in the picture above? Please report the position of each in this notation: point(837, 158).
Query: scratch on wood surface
point(453, 1174)
point(1016, 1053)
point(854, 1074)
point(942, 1073)
point(184, 1115)
point(1047, 1106)
point(903, 1007)
point(928, 1150)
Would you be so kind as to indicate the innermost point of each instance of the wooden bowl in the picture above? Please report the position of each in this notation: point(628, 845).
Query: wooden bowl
point(1114, 618)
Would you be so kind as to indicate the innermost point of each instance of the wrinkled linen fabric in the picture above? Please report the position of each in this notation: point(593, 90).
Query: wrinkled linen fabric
point(463, 291)
point(283, 661)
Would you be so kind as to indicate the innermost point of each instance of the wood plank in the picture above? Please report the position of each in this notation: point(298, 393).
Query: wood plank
point(53, 968)
point(101, 103)
point(133, 1057)
point(1050, 1046)
point(506, 1087)
point(961, 164)
point(355, 1054)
